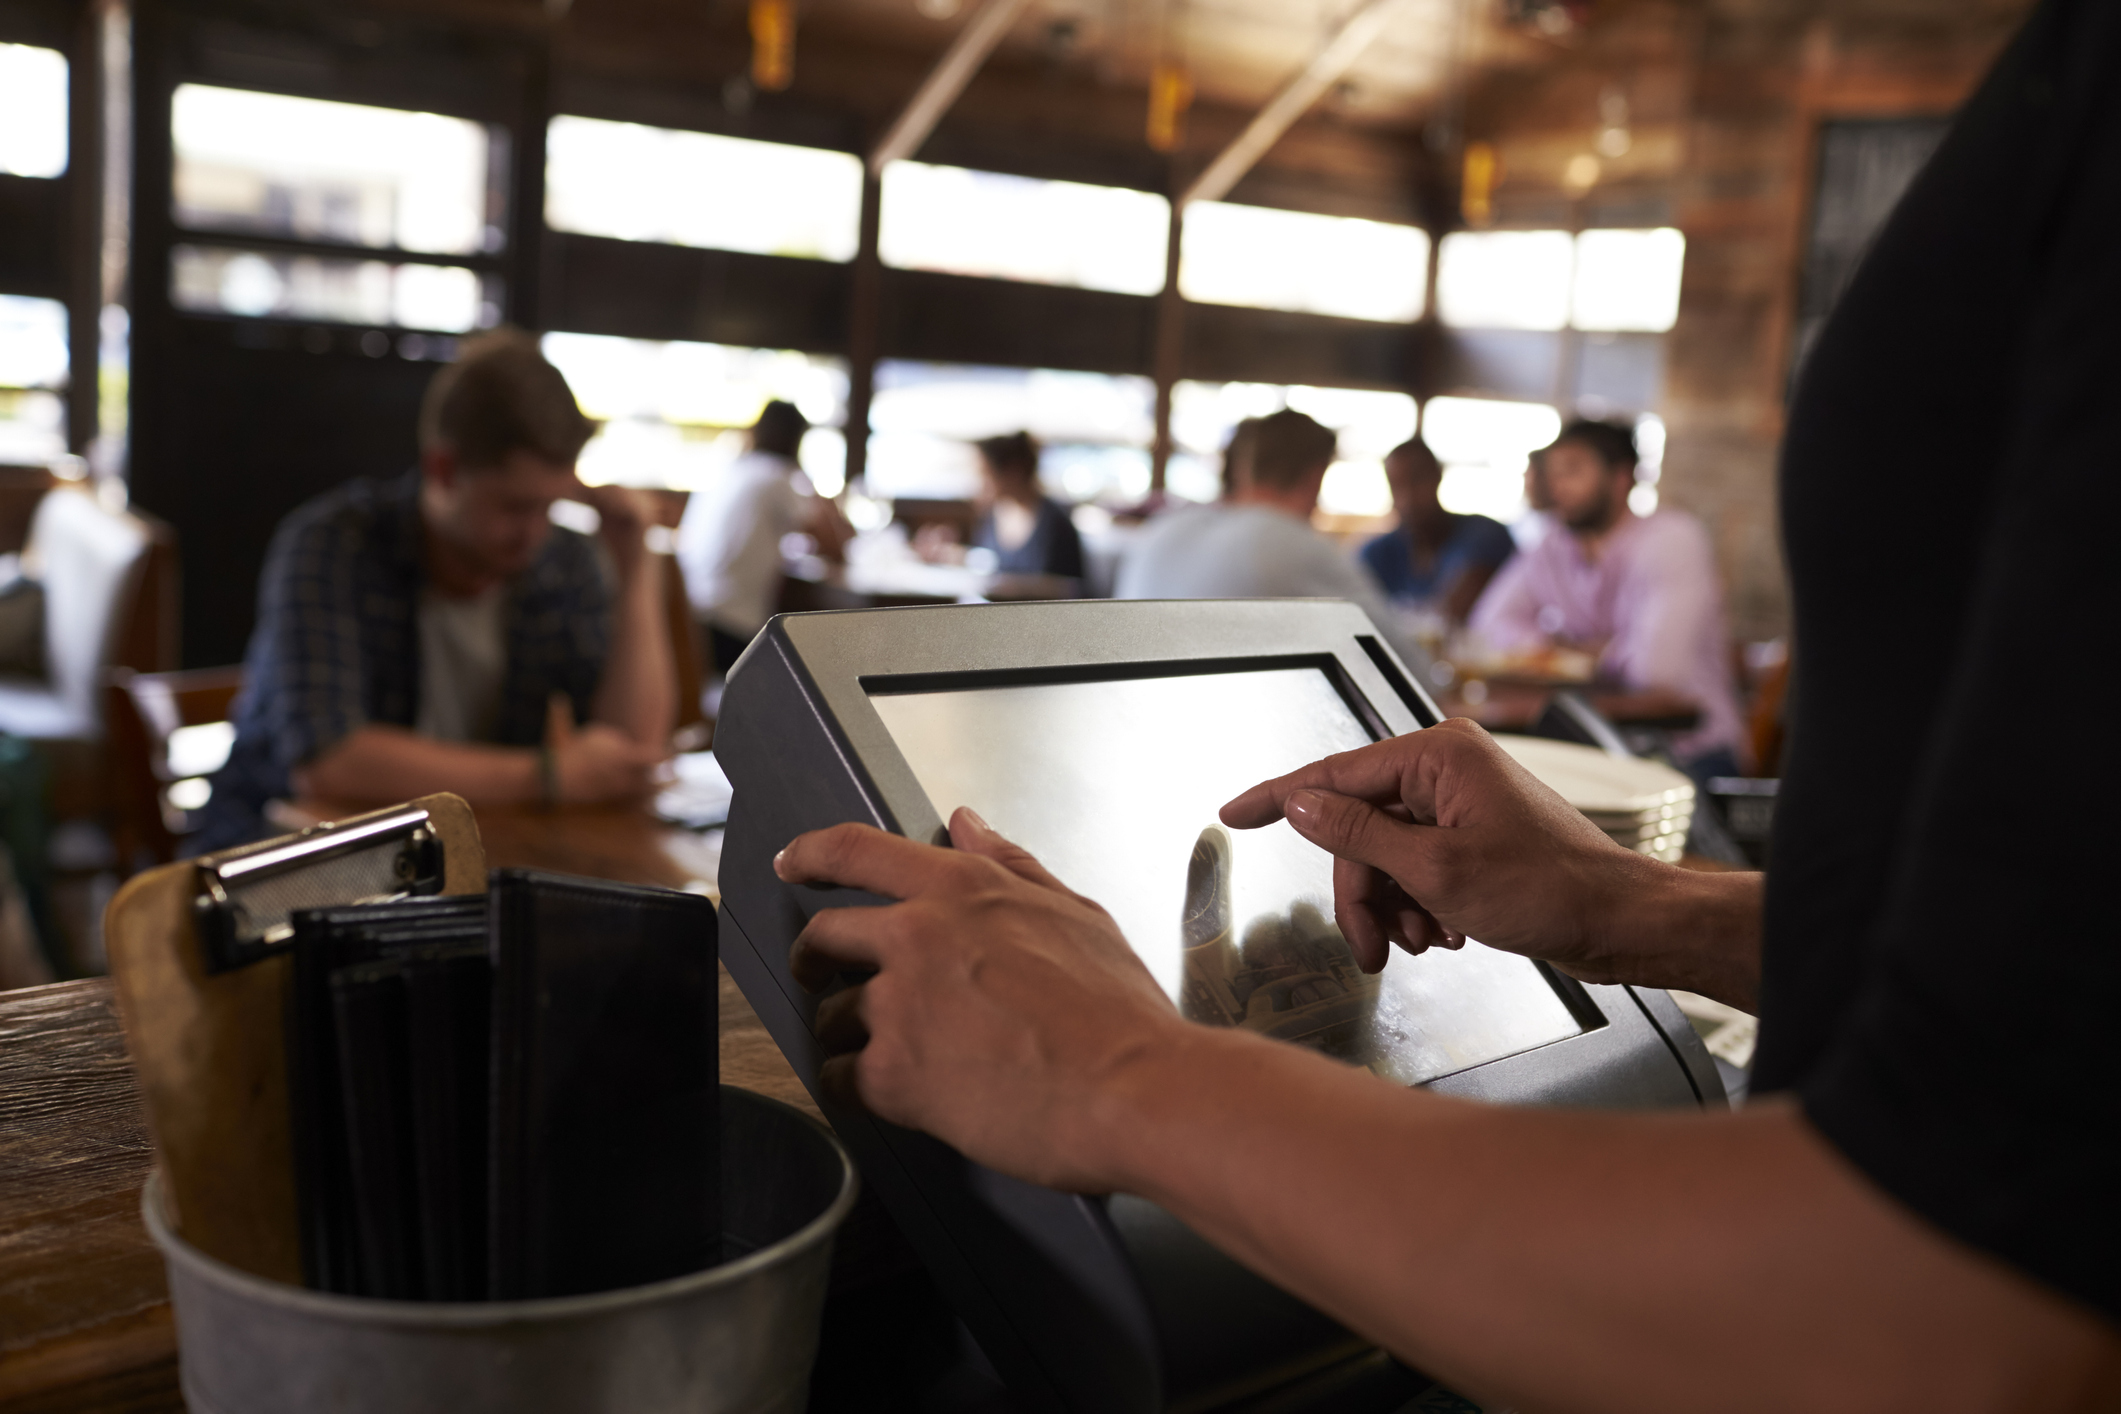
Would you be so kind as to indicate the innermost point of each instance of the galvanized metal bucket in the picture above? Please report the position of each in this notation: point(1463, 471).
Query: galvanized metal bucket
point(738, 1336)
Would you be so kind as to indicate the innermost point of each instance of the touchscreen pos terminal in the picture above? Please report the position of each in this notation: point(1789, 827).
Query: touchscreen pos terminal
point(1104, 736)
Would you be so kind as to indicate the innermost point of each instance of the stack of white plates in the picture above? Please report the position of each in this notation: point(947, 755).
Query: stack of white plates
point(1644, 805)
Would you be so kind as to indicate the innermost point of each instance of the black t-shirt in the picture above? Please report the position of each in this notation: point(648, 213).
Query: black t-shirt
point(1942, 982)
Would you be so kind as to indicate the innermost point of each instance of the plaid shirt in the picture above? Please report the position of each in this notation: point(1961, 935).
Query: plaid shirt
point(337, 646)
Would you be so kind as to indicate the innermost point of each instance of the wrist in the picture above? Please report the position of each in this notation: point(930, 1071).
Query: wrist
point(1666, 926)
point(628, 564)
point(1131, 1131)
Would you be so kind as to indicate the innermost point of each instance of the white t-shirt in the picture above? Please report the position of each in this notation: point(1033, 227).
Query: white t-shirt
point(463, 663)
point(1248, 552)
point(729, 541)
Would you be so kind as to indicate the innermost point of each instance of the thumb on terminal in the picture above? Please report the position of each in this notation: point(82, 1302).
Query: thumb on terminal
point(974, 835)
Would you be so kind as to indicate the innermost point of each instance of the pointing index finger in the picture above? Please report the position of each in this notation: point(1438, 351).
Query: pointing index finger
point(1367, 773)
point(1383, 772)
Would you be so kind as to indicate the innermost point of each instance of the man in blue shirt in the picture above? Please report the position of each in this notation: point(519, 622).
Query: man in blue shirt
point(1433, 558)
point(438, 632)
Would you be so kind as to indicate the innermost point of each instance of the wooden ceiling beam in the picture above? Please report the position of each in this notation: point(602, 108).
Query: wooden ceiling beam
point(945, 82)
point(1295, 98)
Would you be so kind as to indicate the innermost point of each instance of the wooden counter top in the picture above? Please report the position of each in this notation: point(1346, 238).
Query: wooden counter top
point(84, 1311)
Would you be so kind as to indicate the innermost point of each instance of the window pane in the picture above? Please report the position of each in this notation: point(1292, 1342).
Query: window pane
point(1628, 279)
point(312, 170)
point(32, 369)
point(674, 413)
point(1368, 422)
point(32, 111)
point(1484, 445)
point(1268, 259)
point(217, 280)
point(32, 427)
point(1504, 279)
point(635, 183)
point(32, 342)
point(1020, 228)
point(1095, 428)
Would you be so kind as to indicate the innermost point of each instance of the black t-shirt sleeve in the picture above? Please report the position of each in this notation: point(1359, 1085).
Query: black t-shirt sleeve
point(1970, 1066)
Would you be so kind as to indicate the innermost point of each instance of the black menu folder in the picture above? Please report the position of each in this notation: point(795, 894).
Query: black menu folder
point(448, 1013)
point(413, 1045)
point(375, 1075)
point(326, 941)
point(606, 1116)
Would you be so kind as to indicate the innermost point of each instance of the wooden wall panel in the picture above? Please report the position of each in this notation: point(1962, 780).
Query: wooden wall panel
point(646, 291)
point(34, 243)
point(1724, 100)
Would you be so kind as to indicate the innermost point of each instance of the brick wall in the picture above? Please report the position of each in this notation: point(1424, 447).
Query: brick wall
point(1725, 99)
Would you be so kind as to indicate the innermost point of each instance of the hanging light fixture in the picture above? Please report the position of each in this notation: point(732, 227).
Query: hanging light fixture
point(772, 44)
point(1614, 139)
point(1476, 189)
point(1170, 95)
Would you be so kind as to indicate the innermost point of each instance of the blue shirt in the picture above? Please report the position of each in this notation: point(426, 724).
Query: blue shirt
point(337, 645)
point(1475, 542)
point(1052, 548)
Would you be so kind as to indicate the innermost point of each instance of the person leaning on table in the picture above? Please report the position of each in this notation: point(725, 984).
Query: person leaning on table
point(438, 632)
point(1918, 1210)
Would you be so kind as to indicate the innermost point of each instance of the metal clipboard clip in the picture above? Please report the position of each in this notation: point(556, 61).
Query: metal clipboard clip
point(248, 895)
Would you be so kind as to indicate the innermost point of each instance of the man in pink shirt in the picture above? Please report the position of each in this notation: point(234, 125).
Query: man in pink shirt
point(1638, 591)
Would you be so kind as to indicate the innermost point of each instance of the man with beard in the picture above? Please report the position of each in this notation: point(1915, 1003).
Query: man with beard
point(1639, 592)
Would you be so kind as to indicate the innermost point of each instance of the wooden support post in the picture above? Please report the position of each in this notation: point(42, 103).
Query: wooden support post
point(864, 297)
point(1168, 355)
point(84, 239)
point(525, 271)
point(1428, 343)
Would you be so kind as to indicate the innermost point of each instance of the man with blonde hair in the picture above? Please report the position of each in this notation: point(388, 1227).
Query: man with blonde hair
point(439, 632)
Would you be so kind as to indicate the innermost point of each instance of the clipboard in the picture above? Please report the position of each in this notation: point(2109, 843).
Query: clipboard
point(198, 950)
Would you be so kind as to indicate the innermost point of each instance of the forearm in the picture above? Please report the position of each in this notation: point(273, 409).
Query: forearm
point(638, 690)
point(380, 765)
point(1577, 1261)
point(1663, 926)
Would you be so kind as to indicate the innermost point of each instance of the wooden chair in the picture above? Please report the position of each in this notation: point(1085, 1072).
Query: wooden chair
point(142, 712)
point(917, 513)
point(687, 657)
point(110, 587)
point(1768, 729)
point(22, 490)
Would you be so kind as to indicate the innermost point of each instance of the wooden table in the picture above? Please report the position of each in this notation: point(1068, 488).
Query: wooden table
point(84, 1313)
point(813, 584)
point(1503, 706)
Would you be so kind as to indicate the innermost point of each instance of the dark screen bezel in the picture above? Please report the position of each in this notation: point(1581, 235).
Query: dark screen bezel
point(830, 655)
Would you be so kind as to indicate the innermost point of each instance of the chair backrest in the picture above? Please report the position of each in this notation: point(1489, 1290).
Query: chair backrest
point(142, 710)
point(22, 490)
point(210, 1053)
point(89, 558)
point(686, 660)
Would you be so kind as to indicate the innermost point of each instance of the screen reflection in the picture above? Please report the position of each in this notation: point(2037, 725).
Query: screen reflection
point(1115, 786)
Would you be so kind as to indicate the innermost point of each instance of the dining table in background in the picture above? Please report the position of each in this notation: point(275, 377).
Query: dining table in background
point(1516, 705)
point(812, 584)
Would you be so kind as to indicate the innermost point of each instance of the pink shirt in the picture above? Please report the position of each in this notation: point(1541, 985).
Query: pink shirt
point(1651, 607)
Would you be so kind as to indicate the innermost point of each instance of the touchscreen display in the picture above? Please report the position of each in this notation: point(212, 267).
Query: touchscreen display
point(1115, 785)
